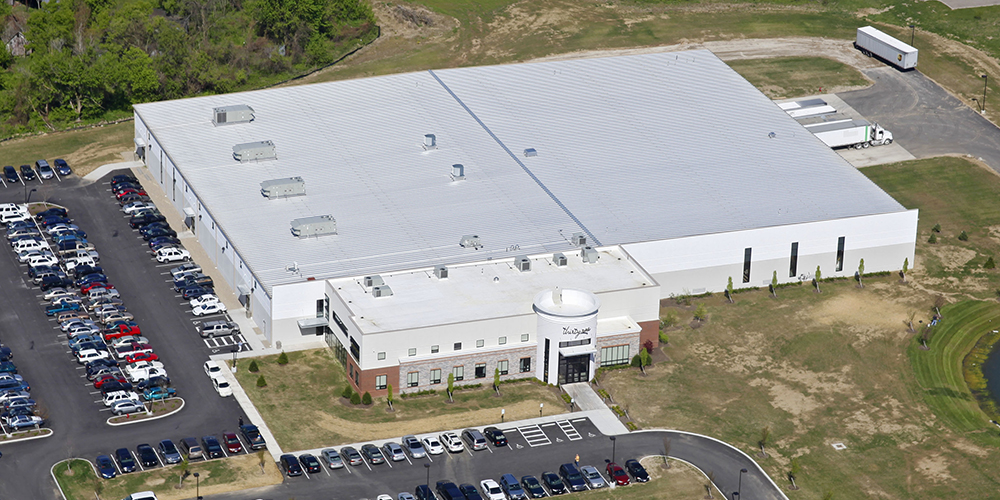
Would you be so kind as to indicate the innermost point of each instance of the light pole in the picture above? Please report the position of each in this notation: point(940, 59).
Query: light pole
point(613, 445)
point(428, 467)
point(540, 406)
point(736, 495)
point(739, 489)
point(27, 194)
point(986, 81)
point(197, 486)
point(912, 27)
point(234, 359)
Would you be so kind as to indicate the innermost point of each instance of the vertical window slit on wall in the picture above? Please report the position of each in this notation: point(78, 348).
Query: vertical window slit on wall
point(746, 265)
point(793, 261)
point(840, 254)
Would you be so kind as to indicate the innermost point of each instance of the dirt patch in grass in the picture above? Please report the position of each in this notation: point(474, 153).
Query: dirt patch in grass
point(84, 150)
point(935, 467)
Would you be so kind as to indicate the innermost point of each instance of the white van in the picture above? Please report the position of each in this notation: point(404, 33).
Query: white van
point(11, 208)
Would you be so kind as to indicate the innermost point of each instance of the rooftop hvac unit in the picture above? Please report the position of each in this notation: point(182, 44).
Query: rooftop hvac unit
point(430, 142)
point(228, 115)
point(470, 241)
point(283, 188)
point(530, 152)
point(255, 151)
point(589, 255)
point(579, 239)
point(441, 272)
point(458, 172)
point(523, 263)
point(373, 281)
point(320, 225)
point(559, 259)
point(381, 291)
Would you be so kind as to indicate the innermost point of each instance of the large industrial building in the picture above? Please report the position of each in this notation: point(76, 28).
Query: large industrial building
point(523, 218)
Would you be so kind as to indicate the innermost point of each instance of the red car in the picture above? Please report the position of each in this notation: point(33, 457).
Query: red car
point(143, 356)
point(129, 191)
point(90, 286)
point(123, 331)
point(100, 381)
point(233, 443)
point(618, 474)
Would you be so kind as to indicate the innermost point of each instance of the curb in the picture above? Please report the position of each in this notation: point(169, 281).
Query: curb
point(129, 422)
point(52, 472)
point(43, 436)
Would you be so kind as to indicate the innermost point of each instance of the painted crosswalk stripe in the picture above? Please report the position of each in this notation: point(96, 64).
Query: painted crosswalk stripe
point(569, 430)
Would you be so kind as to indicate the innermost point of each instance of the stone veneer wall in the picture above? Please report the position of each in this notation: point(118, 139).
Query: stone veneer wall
point(468, 359)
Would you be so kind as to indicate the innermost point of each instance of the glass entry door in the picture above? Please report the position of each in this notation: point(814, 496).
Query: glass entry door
point(574, 369)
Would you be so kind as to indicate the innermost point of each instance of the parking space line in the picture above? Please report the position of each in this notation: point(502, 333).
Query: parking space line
point(429, 458)
point(347, 467)
point(366, 464)
point(327, 469)
point(579, 420)
point(407, 458)
point(137, 462)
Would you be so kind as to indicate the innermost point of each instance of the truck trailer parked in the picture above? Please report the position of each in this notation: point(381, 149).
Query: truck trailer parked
point(873, 42)
point(855, 134)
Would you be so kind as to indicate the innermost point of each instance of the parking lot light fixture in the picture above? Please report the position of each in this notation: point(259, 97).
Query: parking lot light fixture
point(986, 81)
point(912, 27)
point(428, 467)
point(736, 495)
point(197, 486)
point(27, 194)
point(613, 445)
point(739, 488)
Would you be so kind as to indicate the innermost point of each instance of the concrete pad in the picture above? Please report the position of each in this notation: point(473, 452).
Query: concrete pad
point(875, 155)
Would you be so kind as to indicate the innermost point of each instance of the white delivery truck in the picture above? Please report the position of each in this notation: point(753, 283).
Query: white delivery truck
point(873, 42)
point(855, 134)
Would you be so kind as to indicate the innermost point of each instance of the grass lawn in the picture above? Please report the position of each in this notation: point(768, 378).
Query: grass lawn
point(79, 482)
point(84, 150)
point(680, 481)
point(309, 386)
point(787, 77)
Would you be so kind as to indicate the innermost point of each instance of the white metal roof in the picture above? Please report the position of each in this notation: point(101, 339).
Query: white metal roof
point(630, 149)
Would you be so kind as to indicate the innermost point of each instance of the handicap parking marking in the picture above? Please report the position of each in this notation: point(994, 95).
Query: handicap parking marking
point(569, 430)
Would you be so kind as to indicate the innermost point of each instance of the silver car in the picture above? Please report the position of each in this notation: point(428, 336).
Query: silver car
point(593, 476)
point(332, 458)
point(393, 451)
point(413, 446)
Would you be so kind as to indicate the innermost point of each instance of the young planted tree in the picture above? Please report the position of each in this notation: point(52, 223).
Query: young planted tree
point(388, 397)
point(451, 387)
point(989, 263)
point(729, 290)
point(936, 228)
point(906, 268)
point(909, 321)
point(793, 472)
point(261, 382)
point(282, 358)
point(253, 368)
point(765, 433)
point(261, 459)
point(666, 452)
point(701, 313)
point(861, 272)
point(816, 279)
point(346, 394)
point(496, 380)
point(963, 236)
point(669, 319)
point(774, 284)
point(933, 239)
point(710, 484)
point(939, 302)
point(184, 471)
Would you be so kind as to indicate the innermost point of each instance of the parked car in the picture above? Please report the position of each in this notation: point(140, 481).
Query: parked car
point(206, 309)
point(8, 367)
point(424, 492)
point(19, 403)
point(448, 490)
point(452, 442)
point(147, 457)
point(512, 487)
point(617, 474)
point(491, 490)
point(433, 446)
point(212, 447)
point(62, 168)
point(191, 448)
point(217, 327)
point(118, 396)
point(109, 377)
point(172, 254)
point(135, 222)
point(372, 453)
point(52, 212)
point(233, 444)
point(153, 382)
point(310, 463)
point(571, 475)
point(554, 483)
point(470, 492)
point(593, 476)
point(158, 393)
point(125, 461)
point(352, 455)
point(291, 466)
point(253, 437)
point(127, 406)
point(195, 291)
point(159, 232)
point(105, 467)
point(474, 439)
point(393, 451)
point(27, 173)
point(187, 267)
point(495, 436)
point(637, 471)
point(414, 447)
point(169, 452)
point(532, 487)
point(10, 175)
point(222, 387)
point(332, 458)
point(44, 170)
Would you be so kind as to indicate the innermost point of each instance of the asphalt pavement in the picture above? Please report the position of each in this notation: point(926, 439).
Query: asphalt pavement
point(74, 412)
point(924, 118)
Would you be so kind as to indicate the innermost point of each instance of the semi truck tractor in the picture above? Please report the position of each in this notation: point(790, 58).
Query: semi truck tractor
point(873, 42)
point(855, 134)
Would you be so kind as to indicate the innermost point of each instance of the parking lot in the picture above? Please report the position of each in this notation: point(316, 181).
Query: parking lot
point(58, 382)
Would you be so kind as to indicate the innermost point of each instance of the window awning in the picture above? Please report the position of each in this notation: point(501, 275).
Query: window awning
point(312, 323)
point(139, 142)
point(189, 212)
point(577, 350)
point(244, 290)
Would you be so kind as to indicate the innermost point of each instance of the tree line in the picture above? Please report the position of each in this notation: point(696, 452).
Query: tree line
point(90, 60)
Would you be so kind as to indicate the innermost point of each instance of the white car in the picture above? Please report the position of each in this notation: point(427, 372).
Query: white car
point(87, 355)
point(491, 490)
point(204, 300)
point(72, 263)
point(57, 292)
point(128, 406)
point(26, 254)
point(172, 254)
point(209, 309)
point(58, 228)
point(433, 446)
point(187, 267)
point(221, 386)
point(11, 208)
point(452, 442)
point(14, 217)
point(113, 397)
point(212, 369)
point(139, 374)
point(43, 260)
point(120, 341)
point(135, 206)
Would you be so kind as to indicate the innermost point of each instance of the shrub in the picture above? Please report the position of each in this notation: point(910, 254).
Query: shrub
point(282, 358)
point(355, 399)
point(936, 228)
point(645, 358)
point(669, 319)
point(261, 382)
point(631, 426)
point(347, 392)
point(932, 239)
point(990, 264)
point(664, 338)
point(648, 346)
point(636, 361)
point(367, 398)
point(253, 366)
point(566, 398)
point(963, 236)
point(701, 313)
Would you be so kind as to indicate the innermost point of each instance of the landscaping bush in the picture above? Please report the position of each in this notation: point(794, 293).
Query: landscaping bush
point(645, 358)
point(990, 264)
point(648, 346)
point(366, 399)
point(669, 319)
point(636, 361)
point(355, 399)
point(347, 392)
point(963, 236)
point(282, 358)
point(936, 228)
point(932, 239)
point(261, 382)
point(253, 366)
point(566, 398)
point(664, 338)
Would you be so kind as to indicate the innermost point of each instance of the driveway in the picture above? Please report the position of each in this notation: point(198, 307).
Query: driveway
point(925, 119)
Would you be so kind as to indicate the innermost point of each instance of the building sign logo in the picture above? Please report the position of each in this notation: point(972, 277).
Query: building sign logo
point(576, 332)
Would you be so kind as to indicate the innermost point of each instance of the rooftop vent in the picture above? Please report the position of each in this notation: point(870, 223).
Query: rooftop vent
point(283, 188)
point(430, 142)
point(523, 263)
point(228, 115)
point(530, 152)
point(559, 259)
point(255, 151)
point(458, 172)
point(441, 272)
point(381, 291)
point(470, 241)
point(373, 281)
point(578, 239)
point(589, 255)
point(320, 225)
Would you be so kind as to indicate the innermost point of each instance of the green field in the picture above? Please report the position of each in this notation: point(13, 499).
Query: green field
point(787, 77)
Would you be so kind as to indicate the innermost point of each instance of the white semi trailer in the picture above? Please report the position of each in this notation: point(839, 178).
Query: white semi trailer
point(855, 134)
point(873, 42)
